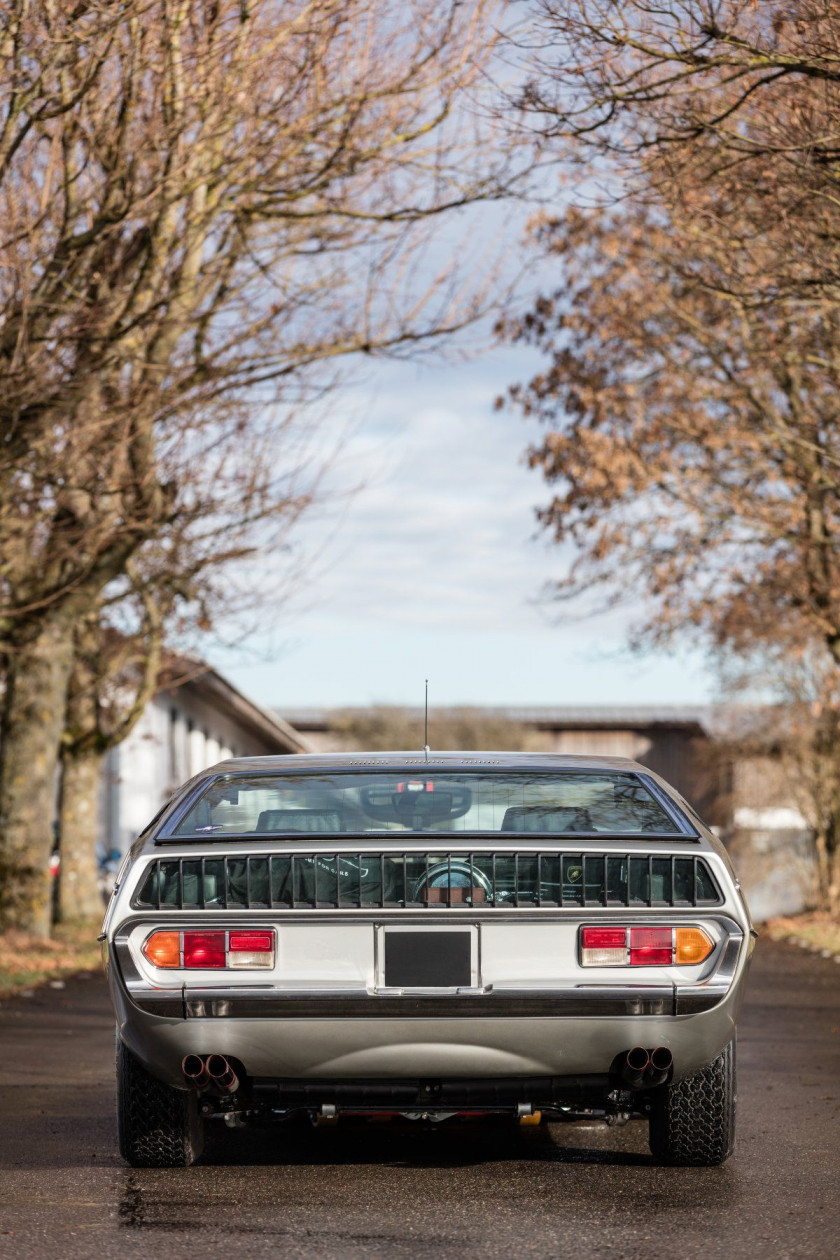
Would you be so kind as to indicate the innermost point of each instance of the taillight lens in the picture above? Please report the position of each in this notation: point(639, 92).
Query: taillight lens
point(163, 949)
point(651, 946)
point(603, 946)
point(204, 949)
point(215, 950)
point(691, 945)
point(643, 946)
point(251, 949)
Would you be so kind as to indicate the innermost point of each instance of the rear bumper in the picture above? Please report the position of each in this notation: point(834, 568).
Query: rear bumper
point(582, 1002)
point(488, 1035)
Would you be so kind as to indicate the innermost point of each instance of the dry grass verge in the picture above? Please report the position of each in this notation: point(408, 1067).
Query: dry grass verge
point(815, 930)
point(26, 961)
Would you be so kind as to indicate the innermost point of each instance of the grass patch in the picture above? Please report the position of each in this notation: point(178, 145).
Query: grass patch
point(26, 961)
point(817, 929)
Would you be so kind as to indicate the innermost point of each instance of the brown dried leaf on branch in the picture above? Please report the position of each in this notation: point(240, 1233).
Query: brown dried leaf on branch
point(692, 338)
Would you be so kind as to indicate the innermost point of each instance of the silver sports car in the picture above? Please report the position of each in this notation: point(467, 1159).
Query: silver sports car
point(426, 935)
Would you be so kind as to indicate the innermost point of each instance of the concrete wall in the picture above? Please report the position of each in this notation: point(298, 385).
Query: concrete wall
point(776, 869)
point(769, 839)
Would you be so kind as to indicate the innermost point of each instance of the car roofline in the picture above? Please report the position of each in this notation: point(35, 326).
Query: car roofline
point(291, 763)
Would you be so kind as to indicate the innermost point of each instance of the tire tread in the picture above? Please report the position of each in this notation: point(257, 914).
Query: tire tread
point(157, 1126)
point(693, 1120)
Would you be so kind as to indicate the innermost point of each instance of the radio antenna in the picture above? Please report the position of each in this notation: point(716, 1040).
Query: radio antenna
point(426, 749)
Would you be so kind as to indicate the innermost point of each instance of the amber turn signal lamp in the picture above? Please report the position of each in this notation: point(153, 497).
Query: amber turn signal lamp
point(163, 949)
point(691, 945)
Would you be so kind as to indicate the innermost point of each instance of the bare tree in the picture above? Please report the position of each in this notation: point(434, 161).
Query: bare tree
point(112, 679)
point(692, 343)
point(626, 76)
point(177, 588)
point(788, 722)
point(200, 203)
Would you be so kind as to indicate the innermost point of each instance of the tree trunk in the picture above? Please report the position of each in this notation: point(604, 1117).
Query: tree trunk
point(828, 868)
point(31, 725)
point(78, 826)
point(832, 896)
point(823, 870)
point(834, 887)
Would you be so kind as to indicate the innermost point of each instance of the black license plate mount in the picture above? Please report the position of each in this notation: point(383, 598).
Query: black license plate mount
point(428, 960)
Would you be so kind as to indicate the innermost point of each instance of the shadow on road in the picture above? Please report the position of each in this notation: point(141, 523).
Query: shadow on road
point(337, 1184)
point(408, 1145)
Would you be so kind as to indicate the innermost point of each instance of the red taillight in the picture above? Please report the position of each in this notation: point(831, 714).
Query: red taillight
point(603, 938)
point(603, 946)
point(624, 946)
point(251, 949)
point(204, 949)
point(256, 942)
point(211, 950)
point(651, 946)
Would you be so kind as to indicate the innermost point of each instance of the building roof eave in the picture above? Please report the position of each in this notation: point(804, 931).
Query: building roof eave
point(190, 672)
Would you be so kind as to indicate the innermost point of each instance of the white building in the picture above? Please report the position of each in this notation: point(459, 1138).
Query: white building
point(185, 727)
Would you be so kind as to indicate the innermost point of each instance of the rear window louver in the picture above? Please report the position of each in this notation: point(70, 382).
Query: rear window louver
point(352, 881)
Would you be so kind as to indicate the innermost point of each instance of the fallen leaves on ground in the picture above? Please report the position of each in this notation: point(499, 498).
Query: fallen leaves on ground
point(817, 929)
point(27, 961)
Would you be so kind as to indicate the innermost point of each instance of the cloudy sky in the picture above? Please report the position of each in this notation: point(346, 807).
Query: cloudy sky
point(434, 567)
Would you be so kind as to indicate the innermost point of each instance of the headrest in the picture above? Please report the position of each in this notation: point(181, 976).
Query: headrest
point(326, 820)
point(546, 818)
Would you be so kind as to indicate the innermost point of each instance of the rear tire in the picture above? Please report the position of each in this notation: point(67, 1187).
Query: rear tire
point(157, 1126)
point(693, 1120)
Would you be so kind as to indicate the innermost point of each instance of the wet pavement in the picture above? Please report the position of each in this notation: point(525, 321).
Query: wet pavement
point(576, 1190)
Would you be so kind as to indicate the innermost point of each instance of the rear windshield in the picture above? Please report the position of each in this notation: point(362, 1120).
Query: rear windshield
point(396, 801)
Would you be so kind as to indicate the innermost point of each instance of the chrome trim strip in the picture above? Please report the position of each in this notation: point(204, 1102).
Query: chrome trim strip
point(717, 913)
point(671, 807)
point(392, 839)
point(691, 998)
point(213, 1004)
point(504, 1004)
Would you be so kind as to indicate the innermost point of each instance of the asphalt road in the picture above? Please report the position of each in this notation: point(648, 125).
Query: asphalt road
point(576, 1190)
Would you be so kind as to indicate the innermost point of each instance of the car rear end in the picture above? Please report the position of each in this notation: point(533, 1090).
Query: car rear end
point(506, 956)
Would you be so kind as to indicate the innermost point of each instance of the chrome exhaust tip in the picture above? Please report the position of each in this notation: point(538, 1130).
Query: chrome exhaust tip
point(221, 1074)
point(195, 1071)
point(659, 1068)
point(636, 1063)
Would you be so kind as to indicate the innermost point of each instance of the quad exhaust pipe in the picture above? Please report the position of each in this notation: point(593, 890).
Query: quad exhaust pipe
point(195, 1071)
point(222, 1074)
point(636, 1063)
point(211, 1072)
point(659, 1067)
point(644, 1069)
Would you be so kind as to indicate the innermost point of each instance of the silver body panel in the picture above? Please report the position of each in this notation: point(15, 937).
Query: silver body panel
point(530, 1009)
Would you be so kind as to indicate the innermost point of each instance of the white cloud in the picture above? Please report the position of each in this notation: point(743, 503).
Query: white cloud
point(435, 566)
point(443, 532)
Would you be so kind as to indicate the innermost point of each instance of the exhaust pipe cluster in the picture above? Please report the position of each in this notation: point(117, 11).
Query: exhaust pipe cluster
point(644, 1069)
point(211, 1072)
